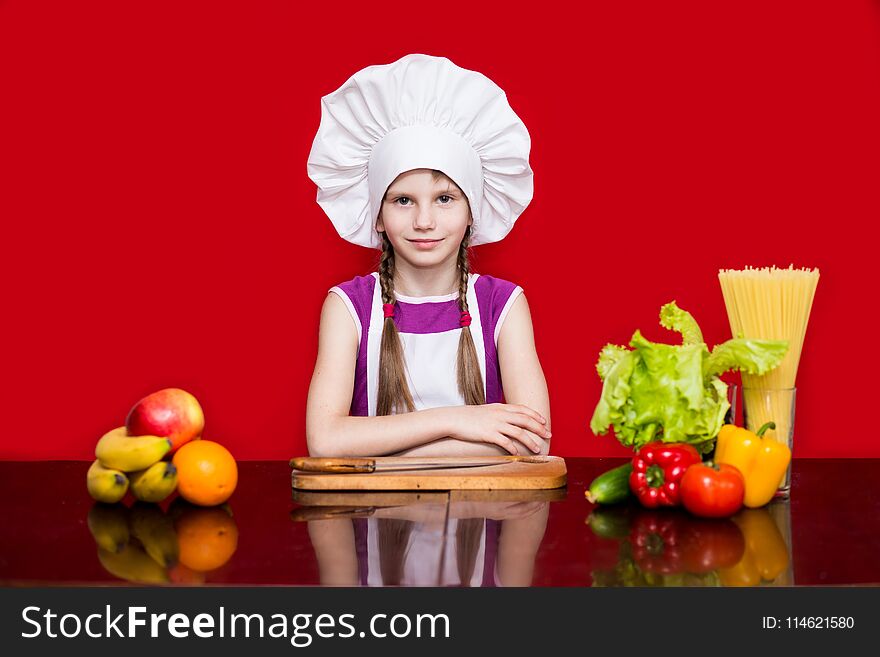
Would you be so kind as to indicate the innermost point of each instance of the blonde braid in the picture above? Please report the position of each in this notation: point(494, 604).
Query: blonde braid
point(470, 380)
point(393, 394)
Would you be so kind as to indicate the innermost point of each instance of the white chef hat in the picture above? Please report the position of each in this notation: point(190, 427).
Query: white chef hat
point(421, 112)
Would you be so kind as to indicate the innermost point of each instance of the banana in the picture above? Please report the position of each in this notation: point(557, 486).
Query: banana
point(155, 483)
point(109, 526)
point(156, 533)
point(132, 564)
point(106, 484)
point(120, 451)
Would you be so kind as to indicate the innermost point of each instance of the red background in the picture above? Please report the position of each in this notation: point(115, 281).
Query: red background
point(159, 228)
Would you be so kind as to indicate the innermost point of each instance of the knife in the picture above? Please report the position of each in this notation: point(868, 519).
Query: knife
point(402, 463)
point(306, 513)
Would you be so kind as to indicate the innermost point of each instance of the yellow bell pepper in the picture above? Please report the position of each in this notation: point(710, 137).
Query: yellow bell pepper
point(766, 553)
point(763, 462)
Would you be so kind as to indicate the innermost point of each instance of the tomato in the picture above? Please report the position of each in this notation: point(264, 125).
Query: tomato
point(712, 491)
point(711, 544)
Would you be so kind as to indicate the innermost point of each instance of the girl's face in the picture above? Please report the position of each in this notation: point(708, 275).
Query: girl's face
point(424, 219)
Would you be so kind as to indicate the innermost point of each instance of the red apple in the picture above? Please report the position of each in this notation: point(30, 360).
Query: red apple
point(171, 413)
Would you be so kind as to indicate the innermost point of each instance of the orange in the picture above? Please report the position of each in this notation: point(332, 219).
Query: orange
point(207, 538)
point(180, 574)
point(206, 472)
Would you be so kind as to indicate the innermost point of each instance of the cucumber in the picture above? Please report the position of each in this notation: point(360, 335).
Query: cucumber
point(612, 522)
point(611, 487)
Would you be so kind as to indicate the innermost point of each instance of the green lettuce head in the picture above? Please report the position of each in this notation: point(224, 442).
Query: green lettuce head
point(673, 393)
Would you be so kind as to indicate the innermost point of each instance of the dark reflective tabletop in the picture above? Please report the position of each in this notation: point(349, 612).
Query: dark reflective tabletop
point(53, 534)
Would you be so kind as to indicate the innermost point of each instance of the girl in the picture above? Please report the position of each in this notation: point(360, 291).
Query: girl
point(423, 159)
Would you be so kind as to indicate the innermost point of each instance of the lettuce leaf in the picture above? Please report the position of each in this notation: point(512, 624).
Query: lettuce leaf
point(673, 393)
point(675, 319)
point(751, 356)
point(608, 358)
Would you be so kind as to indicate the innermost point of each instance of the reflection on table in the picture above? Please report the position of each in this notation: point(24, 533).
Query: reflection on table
point(669, 547)
point(146, 544)
point(419, 539)
point(53, 535)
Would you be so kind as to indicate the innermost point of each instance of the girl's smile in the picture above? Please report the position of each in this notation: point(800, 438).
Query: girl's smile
point(425, 245)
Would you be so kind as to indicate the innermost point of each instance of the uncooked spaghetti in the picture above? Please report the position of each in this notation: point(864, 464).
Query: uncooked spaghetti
point(771, 304)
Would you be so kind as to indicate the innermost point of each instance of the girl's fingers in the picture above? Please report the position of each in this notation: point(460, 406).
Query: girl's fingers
point(505, 443)
point(532, 425)
point(541, 430)
point(519, 408)
point(525, 438)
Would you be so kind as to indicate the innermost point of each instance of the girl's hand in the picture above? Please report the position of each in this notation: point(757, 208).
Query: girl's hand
point(504, 425)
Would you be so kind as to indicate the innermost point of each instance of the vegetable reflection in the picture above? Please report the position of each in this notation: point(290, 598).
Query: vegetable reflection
point(672, 548)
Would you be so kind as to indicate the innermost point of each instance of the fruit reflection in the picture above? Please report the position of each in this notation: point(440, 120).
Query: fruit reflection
point(208, 536)
point(766, 554)
point(108, 524)
point(146, 545)
point(665, 547)
point(711, 544)
point(133, 564)
point(672, 548)
point(180, 574)
point(155, 531)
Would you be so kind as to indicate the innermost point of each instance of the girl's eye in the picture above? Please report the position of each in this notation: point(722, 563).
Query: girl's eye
point(403, 200)
point(448, 199)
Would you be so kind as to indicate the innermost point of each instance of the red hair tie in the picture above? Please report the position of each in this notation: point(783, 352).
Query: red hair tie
point(465, 319)
point(389, 309)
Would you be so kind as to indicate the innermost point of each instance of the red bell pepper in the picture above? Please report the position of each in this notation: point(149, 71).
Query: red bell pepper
point(657, 542)
point(657, 471)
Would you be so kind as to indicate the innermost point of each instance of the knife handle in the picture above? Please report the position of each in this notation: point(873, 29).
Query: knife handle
point(337, 465)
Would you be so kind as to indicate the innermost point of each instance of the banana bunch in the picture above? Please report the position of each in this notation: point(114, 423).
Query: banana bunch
point(105, 484)
point(131, 462)
point(155, 483)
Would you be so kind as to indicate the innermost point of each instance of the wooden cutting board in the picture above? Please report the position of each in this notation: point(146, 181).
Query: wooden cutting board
point(506, 476)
